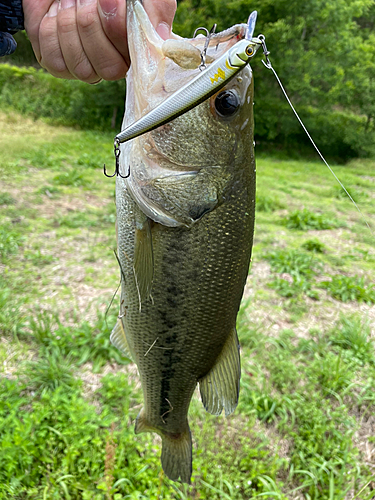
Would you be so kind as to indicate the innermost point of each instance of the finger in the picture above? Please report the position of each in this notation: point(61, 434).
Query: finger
point(113, 18)
point(34, 12)
point(73, 53)
point(161, 14)
point(105, 58)
point(51, 57)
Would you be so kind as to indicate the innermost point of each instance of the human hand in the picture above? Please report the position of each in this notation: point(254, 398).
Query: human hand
point(87, 39)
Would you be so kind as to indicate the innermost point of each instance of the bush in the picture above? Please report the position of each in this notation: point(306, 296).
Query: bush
point(66, 102)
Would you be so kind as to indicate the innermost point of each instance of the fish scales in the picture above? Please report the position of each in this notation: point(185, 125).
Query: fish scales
point(185, 260)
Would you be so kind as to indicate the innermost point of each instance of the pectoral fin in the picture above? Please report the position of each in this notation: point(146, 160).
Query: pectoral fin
point(143, 257)
point(220, 387)
point(118, 339)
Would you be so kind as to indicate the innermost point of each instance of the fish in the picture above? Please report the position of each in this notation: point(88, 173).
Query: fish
point(185, 204)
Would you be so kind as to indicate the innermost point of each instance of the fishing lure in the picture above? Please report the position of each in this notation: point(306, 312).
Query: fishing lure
point(203, 86)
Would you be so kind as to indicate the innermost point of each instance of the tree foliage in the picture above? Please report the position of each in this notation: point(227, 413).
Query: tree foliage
point(324, 53)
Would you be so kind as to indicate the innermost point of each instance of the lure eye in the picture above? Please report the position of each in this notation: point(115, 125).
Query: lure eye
point(227, 103)
point(249, 50)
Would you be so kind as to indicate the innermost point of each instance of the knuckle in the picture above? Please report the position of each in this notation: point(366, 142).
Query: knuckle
point(46, 30)
point(52, 60)
point(65, 24)
point(87, 20)
point(56, 67)
point(114, 71)
point(84, 71)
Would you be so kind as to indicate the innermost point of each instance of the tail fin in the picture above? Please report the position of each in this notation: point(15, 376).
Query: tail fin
point(176, 455)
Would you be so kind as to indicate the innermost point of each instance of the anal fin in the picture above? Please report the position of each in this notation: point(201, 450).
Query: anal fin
point(118, 339)
point(220, 387)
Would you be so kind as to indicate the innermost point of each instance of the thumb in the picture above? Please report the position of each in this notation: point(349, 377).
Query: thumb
point(161, 14)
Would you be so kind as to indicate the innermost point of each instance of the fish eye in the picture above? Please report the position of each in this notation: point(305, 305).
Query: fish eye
point(227, 103)
point(249, 50)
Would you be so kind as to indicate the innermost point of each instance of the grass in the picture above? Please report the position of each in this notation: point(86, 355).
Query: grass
point(68, 399)
point(314, 245)
point(294, 262)
point(6, 199)
point(347, 288)
point(304, 220)
point(295, 270)
point(267, 204)
point(10, 241)
point(81, 343)
point(73, 177)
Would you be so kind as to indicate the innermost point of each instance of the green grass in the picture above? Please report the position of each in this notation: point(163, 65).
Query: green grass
point(356, 194)
point(314, 245)
point(81, 343)
point(294, 262)
point(6, 199)
point(300, 268)
point(347, 288)
point(68, 399)
point(267, 204)
point(353, 338)
point(10, 241)
point(72, 177)
point(304, 220)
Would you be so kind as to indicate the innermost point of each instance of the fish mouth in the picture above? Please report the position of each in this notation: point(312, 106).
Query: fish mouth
point(160, 67)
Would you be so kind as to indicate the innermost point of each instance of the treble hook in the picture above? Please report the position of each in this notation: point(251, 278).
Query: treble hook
point(209, 34)
point(116, 147)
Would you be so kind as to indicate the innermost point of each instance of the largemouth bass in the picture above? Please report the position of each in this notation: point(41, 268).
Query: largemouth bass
point(185, 220)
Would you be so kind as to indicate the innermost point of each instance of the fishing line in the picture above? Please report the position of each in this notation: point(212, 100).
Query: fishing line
point(110, 304)
point(268, 65)
point(117, 289)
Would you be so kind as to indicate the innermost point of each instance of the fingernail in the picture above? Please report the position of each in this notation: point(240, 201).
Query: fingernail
point(85, 2)
point(108, 8)
point(53, 9)
point(164, 30)
point(66, 4)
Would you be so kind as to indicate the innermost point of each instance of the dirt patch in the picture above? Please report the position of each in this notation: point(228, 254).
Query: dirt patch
point(62, 205)
point(10, 366)
point(272, 315)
